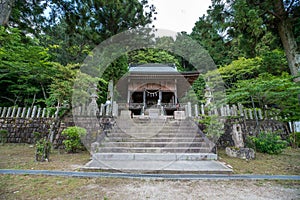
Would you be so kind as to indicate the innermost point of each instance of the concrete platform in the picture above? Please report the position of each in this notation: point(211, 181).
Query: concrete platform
point(158, 166)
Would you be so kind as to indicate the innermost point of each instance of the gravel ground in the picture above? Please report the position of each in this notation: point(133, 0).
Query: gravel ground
point(178, 190)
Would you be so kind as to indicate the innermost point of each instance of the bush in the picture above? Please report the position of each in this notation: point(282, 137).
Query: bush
point(3, 135)
point(42, 147)
point(212, 126)
point(72, 142)
point(268, 142)
point(294, 139)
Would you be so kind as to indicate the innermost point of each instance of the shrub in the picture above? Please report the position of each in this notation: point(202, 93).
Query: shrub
point(268, 142)
point(72, 142)
point(212, 126)
point(294, 139)
point(42, 147)
point(3, 135)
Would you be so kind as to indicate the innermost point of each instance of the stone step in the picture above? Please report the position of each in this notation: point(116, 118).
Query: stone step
point(154, 156)
point(162, 126)
point(159, 167)
point(154, 150)
point(154, 130)
point(152, 135)
point(155, 144)
point(154, 139)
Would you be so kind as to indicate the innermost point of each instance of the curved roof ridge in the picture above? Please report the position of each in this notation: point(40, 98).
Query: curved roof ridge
point(153, 67)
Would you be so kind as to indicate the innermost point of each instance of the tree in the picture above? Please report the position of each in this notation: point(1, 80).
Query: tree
point(5, 10)
point(66, 48)
point(250, 24)
point(144, 56)
point(272, 62)
point(284, 16)
point(207, 34)
point(275, 92)
point(26, 69)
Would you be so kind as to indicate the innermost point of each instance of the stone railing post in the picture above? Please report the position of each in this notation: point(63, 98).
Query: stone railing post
point(202, 109)
point(23, 112)
point(196, 110)
point(28, 113)
point(33, 112)
point(44, 112)
point(4, 112)
point(19, 112)
point(8, 112)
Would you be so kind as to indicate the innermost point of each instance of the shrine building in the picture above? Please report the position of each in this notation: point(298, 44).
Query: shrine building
point(154, 87)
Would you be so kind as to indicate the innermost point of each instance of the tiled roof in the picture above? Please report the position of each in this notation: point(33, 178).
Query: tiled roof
point(153, 67)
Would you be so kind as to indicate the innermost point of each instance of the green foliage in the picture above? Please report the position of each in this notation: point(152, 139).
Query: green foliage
point(268, 142)
point(279, 92)
point(72, 142)
point(240, 69)
point(213, 127)
point(294, 139)
point(3, 135)
point(198, 87)
point(42, 147)
point(271, 62)
point(26, 71)
point(144, 56)
point(207, 35)
point(78, 26)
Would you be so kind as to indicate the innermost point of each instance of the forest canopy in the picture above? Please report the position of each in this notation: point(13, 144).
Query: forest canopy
point(254, 43)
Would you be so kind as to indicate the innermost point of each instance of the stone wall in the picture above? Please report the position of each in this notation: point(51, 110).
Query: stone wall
point(21, 123)
point(249, 127)
point(20, 130)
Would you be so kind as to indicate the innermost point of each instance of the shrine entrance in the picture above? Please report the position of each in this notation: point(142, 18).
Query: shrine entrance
point(152, 99)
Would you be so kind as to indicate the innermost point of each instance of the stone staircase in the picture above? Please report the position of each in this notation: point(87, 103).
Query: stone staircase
point(154, 136)
point(153, 145)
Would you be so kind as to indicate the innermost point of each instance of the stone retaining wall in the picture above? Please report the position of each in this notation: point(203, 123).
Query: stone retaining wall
point(20, 130)
point(248, 127)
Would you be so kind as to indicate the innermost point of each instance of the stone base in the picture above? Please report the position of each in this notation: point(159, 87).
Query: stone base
point(243, 153)
point(154, 112)
point(179, 115)
point(125, 114)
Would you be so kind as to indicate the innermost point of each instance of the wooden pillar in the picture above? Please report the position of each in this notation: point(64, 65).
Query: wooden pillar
point(175, 92)
point(128, 92)
point(144, 98)
point(160, 95)
point(128, 96)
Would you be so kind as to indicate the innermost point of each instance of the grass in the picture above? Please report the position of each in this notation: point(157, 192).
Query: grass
point(21, 156)
point(287, 163)
point(49, 187)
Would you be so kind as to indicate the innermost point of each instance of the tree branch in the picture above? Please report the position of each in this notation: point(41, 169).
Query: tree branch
point(275, 14)
point(290, 6)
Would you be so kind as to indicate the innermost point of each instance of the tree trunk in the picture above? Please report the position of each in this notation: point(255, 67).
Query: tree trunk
point(287, 36)
point(5, 10)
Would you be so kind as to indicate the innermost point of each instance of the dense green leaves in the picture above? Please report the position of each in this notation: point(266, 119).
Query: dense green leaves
point(268, 142)
point(26, 69)
point(275, 92)
point(144, 56)
point(72, 142)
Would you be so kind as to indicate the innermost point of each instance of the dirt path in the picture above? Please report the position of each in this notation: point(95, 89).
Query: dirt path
point(178, 190)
